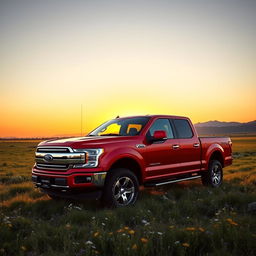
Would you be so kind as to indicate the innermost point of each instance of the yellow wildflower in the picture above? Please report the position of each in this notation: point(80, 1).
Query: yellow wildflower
point(126, 228)
point(134, 247)
point(185, 244)
point(96, 234)
point(68, 226)
point(23, 248)
point(144, 240)
point(234, 223)
point(190, 229)
point(230, 221)
point(131, 232)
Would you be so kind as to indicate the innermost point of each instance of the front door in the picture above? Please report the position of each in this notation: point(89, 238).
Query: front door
point(161, 156)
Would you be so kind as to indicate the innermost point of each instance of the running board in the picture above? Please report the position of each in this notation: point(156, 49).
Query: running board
point(171, 181)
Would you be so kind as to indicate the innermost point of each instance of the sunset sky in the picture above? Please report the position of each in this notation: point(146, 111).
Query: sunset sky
point(195, 58)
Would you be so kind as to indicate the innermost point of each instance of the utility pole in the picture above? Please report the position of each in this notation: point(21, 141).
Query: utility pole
point(81, 119)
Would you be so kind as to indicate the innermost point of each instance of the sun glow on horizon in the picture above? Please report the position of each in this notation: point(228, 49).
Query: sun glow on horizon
point(123, 58)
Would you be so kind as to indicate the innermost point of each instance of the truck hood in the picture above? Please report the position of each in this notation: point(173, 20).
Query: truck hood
point(85, 142)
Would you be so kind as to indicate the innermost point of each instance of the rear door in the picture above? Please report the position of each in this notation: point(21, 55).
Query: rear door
point(189, 147)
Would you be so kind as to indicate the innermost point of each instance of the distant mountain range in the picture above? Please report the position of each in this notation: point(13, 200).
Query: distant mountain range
point(225, 128)
point(210, 128)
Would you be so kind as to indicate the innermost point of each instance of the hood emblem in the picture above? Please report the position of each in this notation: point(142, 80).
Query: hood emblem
point(48, 157)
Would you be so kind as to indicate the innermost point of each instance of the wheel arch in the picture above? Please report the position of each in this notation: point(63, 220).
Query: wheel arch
point(216, 155)
point(129, 163)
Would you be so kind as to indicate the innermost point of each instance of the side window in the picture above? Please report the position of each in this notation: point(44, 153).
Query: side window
point(183, 128)
point(164, 125)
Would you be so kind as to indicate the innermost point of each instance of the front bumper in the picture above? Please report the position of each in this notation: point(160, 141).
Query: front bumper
point(68, 180)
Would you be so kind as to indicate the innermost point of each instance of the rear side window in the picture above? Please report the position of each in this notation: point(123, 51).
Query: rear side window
point(183, 128)
point(163, 125)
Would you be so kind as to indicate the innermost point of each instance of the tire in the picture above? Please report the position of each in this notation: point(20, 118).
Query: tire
point(213, 177)
point(121, 188)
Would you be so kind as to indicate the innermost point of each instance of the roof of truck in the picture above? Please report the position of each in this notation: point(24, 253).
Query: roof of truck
point(166, 116)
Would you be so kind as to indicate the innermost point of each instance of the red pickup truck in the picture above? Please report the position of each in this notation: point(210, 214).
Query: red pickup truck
point(116, 158)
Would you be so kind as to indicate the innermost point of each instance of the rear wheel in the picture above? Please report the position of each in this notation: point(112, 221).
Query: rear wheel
point(121, 188)
point(213, 177)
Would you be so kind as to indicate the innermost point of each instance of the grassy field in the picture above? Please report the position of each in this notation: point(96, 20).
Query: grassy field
point(180, 219)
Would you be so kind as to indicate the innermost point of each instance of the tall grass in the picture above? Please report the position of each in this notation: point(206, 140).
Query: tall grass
point(179, 219)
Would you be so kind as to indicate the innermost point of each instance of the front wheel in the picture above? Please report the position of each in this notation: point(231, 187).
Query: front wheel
point(213, 177)
point(121, 188)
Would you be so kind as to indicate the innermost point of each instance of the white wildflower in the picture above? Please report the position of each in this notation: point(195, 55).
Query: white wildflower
point(145, 222)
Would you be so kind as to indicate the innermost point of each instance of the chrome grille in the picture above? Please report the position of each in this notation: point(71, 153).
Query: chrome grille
point(58, 158)
point(53, 149)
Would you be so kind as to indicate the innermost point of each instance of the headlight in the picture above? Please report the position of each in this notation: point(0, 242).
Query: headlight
point(92, 157)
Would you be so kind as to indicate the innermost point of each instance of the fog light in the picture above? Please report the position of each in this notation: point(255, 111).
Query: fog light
point(83, 179)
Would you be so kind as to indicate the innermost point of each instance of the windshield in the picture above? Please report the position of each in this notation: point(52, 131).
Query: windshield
point(121, 127)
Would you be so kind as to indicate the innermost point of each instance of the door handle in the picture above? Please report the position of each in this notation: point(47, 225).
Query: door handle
point(176, 146)
point(196, 145)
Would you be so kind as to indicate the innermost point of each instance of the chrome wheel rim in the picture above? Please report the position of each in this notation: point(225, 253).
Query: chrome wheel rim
point(216, 174)
point(124, 191)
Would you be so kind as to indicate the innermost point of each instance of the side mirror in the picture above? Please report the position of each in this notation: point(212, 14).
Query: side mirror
point(159, 135)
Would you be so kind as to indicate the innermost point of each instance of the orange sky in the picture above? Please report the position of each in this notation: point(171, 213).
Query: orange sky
point(123, 58)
